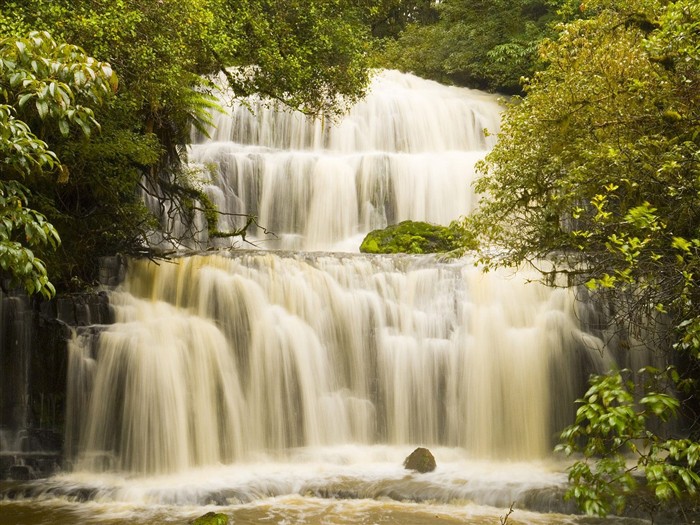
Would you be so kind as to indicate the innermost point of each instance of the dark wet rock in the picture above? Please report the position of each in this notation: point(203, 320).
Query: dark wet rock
point(34, 336)
point(41, 440)
point(211, 518)
point(28, 489)
point(226, 497)
point(11, 490)
point(547, 500)
point(421, 460)
point(21, 473)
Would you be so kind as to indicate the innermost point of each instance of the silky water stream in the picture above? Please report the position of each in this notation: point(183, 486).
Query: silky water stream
point(287, 385)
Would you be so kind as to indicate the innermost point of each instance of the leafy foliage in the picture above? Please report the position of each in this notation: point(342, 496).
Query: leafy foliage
point(611, 431)
point(598, 165)
point(309, 55)
point(487, 44)
point(43, 86)
point(388, 18)
point(23, 230)
point(48, 83)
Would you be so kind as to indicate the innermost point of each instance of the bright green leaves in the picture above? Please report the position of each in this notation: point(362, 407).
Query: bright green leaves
point(42, 84)
point(689, 340)
point(47, 81)
point(604, 431)
point(611, 433)
point(309, 55)
point(21, 230)
point(22, 152)
point(161, 50)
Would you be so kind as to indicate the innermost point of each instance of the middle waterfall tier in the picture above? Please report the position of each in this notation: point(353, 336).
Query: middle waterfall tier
point(407, 152)
point(216, 359)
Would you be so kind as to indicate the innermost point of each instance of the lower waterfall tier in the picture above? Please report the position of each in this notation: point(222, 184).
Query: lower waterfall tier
point(217, 359)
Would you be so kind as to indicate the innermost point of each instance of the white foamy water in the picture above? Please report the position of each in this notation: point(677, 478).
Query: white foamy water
point(321, 485)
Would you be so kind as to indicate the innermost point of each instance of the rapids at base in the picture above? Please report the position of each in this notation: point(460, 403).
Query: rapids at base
point(333, 485)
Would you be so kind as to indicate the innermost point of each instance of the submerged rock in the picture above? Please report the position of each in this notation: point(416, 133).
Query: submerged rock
point(211, 518)
point(421, 460)
point(414, 237)
point(21, 473)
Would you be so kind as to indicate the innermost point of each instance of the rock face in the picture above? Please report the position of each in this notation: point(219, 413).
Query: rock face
point(33, 365)
point(421, 460)
point(413, 237)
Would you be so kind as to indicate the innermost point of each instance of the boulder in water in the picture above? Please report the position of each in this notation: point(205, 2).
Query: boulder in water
point(421, 460)
point(211, 518)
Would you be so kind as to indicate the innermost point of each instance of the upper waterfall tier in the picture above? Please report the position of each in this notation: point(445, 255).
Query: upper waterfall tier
point(406, 152)
point(401, 114)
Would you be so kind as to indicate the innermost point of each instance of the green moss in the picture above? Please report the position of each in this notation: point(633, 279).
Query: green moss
point(414, 237)
point(211, 518)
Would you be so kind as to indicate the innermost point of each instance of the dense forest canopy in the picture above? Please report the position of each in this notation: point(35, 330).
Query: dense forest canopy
point(488, 44)
point(597, 167)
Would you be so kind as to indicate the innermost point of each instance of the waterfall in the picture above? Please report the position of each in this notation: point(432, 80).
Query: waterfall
point(249, 354)
point(407, 152)
point(215, 359)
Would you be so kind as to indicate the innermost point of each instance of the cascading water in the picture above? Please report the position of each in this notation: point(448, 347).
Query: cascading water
point(407, 152)
point(217, 359)
point(307, 377)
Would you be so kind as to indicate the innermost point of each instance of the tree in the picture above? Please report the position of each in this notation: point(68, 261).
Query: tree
point(488, 44)
point(388, 18)
point(43, 85)
point(311, 56)
point(597, 171)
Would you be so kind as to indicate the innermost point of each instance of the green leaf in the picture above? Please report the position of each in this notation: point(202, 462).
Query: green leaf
point(681, 244)
point(42, 108)
point(24, 98)
point(64, 127)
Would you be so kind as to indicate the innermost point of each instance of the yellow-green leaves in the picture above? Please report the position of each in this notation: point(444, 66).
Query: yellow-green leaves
point(683, 245)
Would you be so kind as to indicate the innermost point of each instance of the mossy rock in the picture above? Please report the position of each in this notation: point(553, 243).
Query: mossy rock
point(211, 518)
point(421, 460)
point(413, 237)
